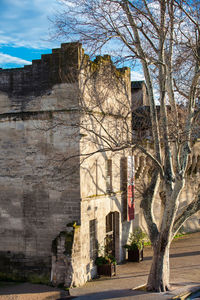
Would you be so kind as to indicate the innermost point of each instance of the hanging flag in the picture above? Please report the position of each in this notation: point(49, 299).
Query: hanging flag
point(130, 187)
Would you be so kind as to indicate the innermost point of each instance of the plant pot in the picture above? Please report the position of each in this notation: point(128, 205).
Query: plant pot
point(135, 255)
point(107, 270)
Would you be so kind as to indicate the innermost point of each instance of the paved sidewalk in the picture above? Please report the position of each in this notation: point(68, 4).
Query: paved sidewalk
point(28, 291)
point(185, 275)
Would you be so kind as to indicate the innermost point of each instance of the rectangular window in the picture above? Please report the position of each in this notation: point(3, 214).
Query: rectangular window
point(109, 176)
point(93, 240)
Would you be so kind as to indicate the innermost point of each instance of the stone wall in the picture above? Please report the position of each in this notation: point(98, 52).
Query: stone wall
point(38, 78)
point(139, 94)
point(107, 106)
point(39, 193)
point(143, 166)
point(53, 114)
point(44, 185)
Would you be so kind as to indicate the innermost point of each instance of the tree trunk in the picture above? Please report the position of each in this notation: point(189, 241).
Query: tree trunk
point(158, 280)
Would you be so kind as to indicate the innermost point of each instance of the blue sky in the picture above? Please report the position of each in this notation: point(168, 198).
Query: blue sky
point(25, 32)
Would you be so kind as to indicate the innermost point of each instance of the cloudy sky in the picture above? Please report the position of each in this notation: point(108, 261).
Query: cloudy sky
point(25, 31)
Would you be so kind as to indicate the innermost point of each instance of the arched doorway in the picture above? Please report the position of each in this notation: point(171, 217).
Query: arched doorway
point(112, 234)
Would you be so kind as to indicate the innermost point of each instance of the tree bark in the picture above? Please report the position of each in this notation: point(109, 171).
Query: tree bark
point(158, 280)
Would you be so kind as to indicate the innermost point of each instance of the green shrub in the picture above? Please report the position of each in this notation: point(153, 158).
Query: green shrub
point(136, 239)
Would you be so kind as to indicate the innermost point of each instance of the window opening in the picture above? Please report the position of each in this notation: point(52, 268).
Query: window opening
point(109, 176)
point(93, 240)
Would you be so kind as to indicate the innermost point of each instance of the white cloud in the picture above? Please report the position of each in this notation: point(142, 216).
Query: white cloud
point(24, 23)
point(6, 59)
point(137, 76)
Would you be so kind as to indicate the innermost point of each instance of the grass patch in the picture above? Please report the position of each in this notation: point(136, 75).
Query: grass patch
point(147, 243)
point(179, 234)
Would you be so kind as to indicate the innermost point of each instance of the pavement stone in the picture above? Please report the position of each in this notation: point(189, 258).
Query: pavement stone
point(184, 275)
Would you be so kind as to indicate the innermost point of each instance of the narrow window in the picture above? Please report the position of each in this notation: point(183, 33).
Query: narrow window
point(109, 176)
point(93, 240)
point(96, 165)
point(123, 183)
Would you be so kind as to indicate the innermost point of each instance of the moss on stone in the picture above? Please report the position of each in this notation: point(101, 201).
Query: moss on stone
point(12, 276)
point(106, 60)
point(68, 236)
point(17, 277)
point(71, 224)
point(86, 57)
point(36, 278)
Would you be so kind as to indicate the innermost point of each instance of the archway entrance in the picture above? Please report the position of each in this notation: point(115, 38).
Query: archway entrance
point(112, 234)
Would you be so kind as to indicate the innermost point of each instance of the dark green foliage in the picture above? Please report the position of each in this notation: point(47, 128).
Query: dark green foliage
point(69, 237)
point(105, 260)
point(136, 239)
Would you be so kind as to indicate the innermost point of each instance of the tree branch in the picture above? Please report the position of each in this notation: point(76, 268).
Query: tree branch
point(191, 209)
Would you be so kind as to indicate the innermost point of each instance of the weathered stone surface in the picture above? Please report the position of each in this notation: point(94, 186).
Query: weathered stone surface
point(23, 84)
point(37, 197)
point(50, 116)
point(40, 192)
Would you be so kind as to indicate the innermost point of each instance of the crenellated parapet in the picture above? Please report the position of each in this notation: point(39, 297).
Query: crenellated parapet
point(104, 64)
point(64, 65)
point(33, 80)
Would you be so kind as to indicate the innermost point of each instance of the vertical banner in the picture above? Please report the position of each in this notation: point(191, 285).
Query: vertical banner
point(130, 187)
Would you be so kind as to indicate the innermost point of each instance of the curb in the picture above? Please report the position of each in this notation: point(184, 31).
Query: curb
point(185, 294)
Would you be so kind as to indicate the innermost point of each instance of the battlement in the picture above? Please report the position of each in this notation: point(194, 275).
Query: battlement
point(104, 61)
point(61, 66)
point(33, 80)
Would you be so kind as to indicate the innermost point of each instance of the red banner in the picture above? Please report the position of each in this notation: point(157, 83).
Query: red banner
point(130, 188)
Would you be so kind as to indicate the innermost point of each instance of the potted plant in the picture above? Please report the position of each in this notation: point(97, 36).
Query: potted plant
point(135, 245)
point(106, 262)
point(106, 265)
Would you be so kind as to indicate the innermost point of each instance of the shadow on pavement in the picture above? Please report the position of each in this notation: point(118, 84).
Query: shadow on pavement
point(11, 288)
point(185, 254)
point(182, 254)
point(112, 294)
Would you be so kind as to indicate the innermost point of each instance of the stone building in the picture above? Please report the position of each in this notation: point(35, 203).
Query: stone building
point(62, 189)
point(142, 132)
point(55, 205)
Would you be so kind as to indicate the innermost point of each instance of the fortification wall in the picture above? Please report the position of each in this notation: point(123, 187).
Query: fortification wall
point(39, 193)
point(143, 167)
point(105, 103)
point(34, 80)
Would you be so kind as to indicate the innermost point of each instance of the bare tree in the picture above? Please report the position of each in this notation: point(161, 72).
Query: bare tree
point(164, 35)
